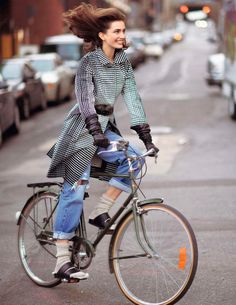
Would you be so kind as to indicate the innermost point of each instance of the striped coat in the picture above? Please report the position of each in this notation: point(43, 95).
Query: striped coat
point(98, 81)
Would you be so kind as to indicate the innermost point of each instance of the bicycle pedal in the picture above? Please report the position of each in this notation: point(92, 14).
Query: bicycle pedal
point(109, 232)
point(70, 281)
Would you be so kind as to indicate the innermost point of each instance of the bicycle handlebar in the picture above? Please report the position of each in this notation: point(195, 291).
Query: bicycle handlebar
point(122, 145)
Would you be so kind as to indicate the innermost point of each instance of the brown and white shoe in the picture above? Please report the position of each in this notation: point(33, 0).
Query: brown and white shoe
point(69, 272)
point(100, 221)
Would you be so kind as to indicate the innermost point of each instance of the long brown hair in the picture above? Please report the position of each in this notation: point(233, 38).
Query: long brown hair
point(86, 21)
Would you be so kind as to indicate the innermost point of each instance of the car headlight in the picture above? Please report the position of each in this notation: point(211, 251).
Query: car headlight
point(50, 79)
point(19, 90)
point(51, 85)
point(21, 87)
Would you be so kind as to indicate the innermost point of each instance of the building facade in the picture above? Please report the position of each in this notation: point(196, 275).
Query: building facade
point(29, 22)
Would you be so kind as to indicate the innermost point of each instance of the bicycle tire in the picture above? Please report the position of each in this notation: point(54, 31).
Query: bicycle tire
point(161, 279)
point(35, 243)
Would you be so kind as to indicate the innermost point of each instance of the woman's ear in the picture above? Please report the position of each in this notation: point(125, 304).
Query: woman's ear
point(101, 35)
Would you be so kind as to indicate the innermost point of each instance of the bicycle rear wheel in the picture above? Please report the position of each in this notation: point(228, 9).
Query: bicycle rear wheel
point(36, 247)
point(164, 276)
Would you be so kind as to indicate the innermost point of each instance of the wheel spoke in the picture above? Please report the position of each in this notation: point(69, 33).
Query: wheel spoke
point(130, 256)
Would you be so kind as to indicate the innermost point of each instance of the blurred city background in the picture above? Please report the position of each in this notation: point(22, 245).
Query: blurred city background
point(184, 59)
point(26, 22)
point(39, 57)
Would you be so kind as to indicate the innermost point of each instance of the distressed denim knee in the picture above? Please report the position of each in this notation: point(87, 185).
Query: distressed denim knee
point(69, 208)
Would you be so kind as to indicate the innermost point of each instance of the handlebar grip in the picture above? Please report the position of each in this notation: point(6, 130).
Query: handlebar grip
point(152, 153)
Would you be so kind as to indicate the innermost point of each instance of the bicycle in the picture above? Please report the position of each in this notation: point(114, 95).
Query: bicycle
point(152, 252)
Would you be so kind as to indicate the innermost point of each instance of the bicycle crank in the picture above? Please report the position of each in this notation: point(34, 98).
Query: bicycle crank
point(82, 252)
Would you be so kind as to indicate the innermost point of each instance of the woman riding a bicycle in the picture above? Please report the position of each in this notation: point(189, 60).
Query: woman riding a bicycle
point(104, 73)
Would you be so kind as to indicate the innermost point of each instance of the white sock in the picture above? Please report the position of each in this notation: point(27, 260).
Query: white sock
point(63, 255)
point(103, 206)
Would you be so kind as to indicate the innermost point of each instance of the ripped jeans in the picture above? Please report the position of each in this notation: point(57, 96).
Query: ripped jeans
point(71, 198)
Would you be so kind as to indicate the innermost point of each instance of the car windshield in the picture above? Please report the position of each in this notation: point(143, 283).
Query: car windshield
point(69, 51)
point(66, 51)
point(136, 40)
point(43, 65)
point(11, 71)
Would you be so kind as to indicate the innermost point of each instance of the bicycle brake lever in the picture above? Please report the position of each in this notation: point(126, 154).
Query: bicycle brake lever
point(156, 155)
point(152, 153)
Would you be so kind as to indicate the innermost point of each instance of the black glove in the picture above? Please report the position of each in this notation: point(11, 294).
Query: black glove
point(150, 146)
point(143, 131)
point(94, 128)
point(100, 140)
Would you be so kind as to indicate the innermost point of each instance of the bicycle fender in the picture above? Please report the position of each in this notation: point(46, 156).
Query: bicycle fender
point(152, 200)
point(143, 202)
point(25, 205)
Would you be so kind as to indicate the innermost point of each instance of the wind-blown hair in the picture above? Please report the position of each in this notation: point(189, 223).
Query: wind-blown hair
point(86, 21)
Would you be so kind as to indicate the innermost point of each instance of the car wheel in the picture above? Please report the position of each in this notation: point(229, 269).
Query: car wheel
point(16, 125)
point(44, 103)
point(71, 95)
point(232, 106)
point(0, 136)
point(26, 108)
point(58, 95)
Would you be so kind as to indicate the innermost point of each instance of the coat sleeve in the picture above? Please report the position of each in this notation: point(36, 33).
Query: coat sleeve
point(132, 98)
point(84, 88)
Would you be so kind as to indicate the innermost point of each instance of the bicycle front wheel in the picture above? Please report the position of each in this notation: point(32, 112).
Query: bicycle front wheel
point(36, 247)
point(162, 274)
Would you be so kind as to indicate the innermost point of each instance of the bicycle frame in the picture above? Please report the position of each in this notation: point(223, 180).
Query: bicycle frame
point(136, 209)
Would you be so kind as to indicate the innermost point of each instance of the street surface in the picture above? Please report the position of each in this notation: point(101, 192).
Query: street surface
point(195, 173)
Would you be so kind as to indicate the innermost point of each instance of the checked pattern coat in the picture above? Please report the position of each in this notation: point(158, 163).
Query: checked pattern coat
point(97, 81)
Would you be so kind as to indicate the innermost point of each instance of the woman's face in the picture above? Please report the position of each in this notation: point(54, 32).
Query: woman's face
point(114, 37)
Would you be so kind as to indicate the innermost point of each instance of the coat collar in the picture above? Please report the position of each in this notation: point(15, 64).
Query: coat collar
point(120, 56)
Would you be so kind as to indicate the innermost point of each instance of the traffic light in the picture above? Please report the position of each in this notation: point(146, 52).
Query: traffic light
point(206, 9)
point(184, 9)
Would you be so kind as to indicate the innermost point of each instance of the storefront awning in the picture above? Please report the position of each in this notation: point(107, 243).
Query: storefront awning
point(120, 5)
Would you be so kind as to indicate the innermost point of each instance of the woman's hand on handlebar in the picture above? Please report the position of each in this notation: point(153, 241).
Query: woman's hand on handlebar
point(100, 140)
point(151, 146)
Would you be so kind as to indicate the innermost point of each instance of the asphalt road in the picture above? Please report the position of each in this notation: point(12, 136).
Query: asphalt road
point(195, 173)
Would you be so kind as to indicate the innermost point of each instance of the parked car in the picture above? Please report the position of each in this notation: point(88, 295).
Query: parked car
point(57, 78)
point(193, 16)
point(68, 46)
point(136, 56)
point(9, 111)
point(136, 50)
point(179, 31)
point(27, 85)
point(136, 36)
point(154, 45)
point(215, 69)
point(163, 38)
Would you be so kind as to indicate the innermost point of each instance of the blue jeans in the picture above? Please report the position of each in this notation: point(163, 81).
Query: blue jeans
point(71, 198)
